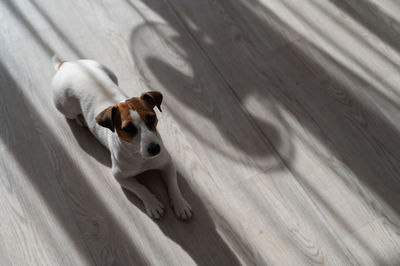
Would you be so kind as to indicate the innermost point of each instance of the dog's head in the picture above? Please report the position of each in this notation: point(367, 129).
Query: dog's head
point(134, 120)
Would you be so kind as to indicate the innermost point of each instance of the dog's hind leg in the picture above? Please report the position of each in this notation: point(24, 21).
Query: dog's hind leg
point(68, 106)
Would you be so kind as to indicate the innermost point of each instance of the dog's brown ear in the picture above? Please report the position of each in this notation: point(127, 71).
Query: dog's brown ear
point(107, 117)
point(153, 98)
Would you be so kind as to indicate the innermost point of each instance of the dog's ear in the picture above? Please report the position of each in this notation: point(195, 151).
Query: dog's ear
point(107, 117)
point(153, 98)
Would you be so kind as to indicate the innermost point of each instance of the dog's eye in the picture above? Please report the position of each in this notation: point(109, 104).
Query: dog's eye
point(151, 119)
point(130, 128)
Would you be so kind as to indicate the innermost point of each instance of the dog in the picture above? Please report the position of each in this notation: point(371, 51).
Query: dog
point(88, 92)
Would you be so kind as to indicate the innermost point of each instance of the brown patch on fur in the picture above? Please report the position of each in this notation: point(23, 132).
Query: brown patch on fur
point(122, 120)
point(61, 63)
point(144, 110)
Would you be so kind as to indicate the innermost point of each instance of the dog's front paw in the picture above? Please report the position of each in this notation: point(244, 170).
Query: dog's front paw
point(181, 208)
point(154, 208)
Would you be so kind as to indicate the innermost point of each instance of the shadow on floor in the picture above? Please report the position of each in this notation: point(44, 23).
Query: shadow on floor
point(214, 101)
point(89, 143)
point(327, 107)
point(198, 237)
point(54, 170)
point(374, 18)
point(275, 65)
point(63, 187)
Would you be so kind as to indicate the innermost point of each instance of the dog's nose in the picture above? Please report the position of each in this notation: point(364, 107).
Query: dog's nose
point(153, 149)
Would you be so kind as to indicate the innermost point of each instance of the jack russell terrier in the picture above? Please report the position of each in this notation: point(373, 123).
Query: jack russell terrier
point(88, 92)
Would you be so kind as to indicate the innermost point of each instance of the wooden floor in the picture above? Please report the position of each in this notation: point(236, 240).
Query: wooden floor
point(282, 116)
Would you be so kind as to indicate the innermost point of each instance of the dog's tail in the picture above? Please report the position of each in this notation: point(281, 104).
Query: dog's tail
point(57, 62)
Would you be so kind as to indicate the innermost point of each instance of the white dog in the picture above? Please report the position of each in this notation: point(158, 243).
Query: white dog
point(88, 92)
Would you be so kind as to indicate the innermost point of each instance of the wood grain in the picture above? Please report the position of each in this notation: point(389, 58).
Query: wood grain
point(281, 116)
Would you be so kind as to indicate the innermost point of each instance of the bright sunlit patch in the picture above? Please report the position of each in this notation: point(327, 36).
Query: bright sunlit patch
point(17, 180)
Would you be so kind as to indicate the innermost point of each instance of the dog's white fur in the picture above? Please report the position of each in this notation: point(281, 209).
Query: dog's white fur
point(84, 88)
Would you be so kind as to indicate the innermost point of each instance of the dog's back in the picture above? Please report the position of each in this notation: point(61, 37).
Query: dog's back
point(84, 87)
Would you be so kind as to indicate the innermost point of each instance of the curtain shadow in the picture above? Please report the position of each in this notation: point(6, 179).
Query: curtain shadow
point(11, 7)
point(310, 84)
point(168, 76)
point(209, 101)
point(56, 29)
point(327, 107)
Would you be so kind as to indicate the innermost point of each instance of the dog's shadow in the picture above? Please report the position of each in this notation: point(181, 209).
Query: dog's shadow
point(198, 236)
point(89, 143)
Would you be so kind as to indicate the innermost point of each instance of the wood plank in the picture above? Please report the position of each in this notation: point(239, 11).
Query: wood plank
point(31, 228)
point(281, 116)
point(373, 245)
point(285, 223)
point(304, 102)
